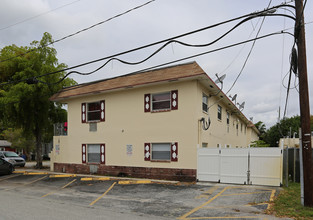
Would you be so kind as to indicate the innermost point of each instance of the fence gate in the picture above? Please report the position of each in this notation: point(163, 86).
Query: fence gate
point(258, 166)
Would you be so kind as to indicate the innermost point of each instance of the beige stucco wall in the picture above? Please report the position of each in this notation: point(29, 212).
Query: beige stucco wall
point(219, 133)
point(127, 124)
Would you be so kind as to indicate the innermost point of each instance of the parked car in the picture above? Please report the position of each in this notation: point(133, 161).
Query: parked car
point(12, 158)
point(6, 167)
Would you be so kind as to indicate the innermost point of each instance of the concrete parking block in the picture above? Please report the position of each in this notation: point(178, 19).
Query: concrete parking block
point(95, 179)
point(134, 182)
point(36, 173)
point(19, 171)
point(62, 176)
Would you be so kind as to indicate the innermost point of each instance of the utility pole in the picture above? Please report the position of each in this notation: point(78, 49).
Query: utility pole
point(304, 106)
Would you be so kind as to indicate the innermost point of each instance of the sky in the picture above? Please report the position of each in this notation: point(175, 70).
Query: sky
point(263, 79)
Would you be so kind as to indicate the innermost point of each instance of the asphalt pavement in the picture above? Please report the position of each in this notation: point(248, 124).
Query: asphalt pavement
point(45, 194)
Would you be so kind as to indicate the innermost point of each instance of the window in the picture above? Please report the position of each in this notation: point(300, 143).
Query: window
point(93, 111)
point(237, 128)
point(219, 112)
point(204, 103)
point(161, 101)
point(227, 120)
point(161, 151)
point(93, 153)
point(204, 145)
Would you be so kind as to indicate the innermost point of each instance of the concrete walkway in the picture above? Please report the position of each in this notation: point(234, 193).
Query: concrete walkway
point(32, 164)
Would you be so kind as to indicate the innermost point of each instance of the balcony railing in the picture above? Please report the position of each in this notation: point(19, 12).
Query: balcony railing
point(60, 129)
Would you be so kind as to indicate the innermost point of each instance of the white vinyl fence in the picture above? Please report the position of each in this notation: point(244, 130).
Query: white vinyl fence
point(257, 166)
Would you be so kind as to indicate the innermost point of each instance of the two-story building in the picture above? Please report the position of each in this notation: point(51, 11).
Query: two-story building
point(148, 124)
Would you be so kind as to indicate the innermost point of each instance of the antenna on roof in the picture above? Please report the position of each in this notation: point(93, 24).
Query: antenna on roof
point(220, 79)
point(241, 106)
point(233, 98)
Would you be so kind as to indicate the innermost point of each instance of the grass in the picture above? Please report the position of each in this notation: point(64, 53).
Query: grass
point(288, 204)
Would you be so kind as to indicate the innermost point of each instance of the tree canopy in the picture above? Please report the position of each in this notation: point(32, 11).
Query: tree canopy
point(282, 129)
point(25, 89)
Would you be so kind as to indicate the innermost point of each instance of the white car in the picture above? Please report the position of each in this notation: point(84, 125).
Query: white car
point(12, 158)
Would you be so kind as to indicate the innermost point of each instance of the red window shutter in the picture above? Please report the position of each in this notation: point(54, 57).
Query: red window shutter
point(84, 152)
point(174, 151)
point(102, 110)
point(147, 151)
point(174, 99)
point(102, 153)
point(84, 112)
point(147, 102)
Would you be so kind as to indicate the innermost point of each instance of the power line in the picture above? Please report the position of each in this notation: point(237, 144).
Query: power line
point(170, 40)
point(78, 32)
point(192, 56)
point(248, 56)
point(36, 16)
point(112, 57)
point(296, 35)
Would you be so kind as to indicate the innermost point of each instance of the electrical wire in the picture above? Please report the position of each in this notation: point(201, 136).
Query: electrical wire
point(162, 41)
point(187, 58)
point(159, 49)
point(242, 48)
point(36, 16)
point(78, 32)
point(298, 25)
point(248, 56)
point(252, 15)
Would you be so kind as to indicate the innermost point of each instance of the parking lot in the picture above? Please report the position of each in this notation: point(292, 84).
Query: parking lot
point(134, 199)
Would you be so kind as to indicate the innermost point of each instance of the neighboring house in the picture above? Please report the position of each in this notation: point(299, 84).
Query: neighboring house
point(147, 124)
point(291, 142)
point(6, 146)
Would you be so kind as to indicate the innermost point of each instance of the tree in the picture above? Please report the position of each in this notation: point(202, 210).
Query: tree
point(282, 129)
point(19, 142)
point(259, 143)
point(262, 128)
point(24, 100)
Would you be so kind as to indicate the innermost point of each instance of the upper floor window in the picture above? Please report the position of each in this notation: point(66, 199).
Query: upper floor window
point(205, 103)
point(93, 111)
point(161, 101)
point(227, 119)
point(219, 112)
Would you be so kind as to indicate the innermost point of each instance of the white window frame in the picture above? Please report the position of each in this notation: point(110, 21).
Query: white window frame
point(164, 100)
point(205, 103)
point(93, 111)
point(89, 146)
point(161, 148)
point(219, 112)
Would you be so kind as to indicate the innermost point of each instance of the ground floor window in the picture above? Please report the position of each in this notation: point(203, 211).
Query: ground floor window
point(161, 151)
point(93, 153)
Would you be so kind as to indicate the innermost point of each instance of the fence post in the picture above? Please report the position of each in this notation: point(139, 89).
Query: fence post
point(301, 167)
point(287, 167)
